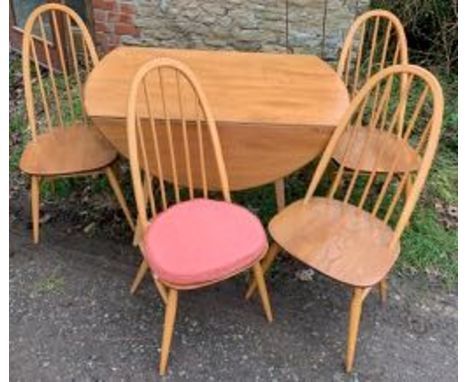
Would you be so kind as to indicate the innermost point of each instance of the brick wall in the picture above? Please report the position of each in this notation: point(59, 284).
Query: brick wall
point(315, 26)
point(113, 20)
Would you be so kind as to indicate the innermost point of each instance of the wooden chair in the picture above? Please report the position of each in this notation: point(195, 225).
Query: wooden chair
point(352, 233)
point(375, 40)
point(62, 142)
point(189, 241)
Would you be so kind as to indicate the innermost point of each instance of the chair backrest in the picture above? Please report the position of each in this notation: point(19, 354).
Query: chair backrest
point(55, 94)
point(172, 138)
point(381, 105)
point(375, 40)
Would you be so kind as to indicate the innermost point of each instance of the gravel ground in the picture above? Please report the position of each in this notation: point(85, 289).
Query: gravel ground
point(72, 318)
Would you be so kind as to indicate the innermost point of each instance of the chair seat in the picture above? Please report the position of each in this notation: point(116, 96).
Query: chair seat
point(337, 239)
point(73, 149)
point(378, 152)
point(199, 241)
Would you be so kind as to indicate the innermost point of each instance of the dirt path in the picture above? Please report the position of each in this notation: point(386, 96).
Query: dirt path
point(72, 318)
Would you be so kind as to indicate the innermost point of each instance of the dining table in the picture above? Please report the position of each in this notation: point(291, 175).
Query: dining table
point(275, 112)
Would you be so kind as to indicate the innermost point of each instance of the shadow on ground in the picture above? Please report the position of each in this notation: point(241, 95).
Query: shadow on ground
point(72, 318)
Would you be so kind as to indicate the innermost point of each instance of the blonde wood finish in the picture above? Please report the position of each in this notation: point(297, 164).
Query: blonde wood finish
point(62, 144)
point(383, 291)
point(375, 41)
point(119, 195)
point(137, 234)
point(266, 264)
point(143, 268)
point(352, 233)
point(35, 197)
point(169, 320)
point(56, 110)
point(264, 105)
point(355, 310)
point(75, 149)
point(181, 146)
point(378, 150)
point(258, 274)
point(338, 239)
point(161, 289)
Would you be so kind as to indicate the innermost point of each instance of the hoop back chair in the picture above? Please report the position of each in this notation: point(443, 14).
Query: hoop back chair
point(189, 240)
point(62, 142)
point(349, 228)
point(375, 40)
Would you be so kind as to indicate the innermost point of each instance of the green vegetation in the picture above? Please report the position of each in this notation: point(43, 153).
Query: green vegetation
point(430, 243)
point(51, 284)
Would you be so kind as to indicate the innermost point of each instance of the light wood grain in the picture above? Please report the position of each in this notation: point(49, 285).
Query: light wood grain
point(378, 152)
point(241, 87)
point(258, 274)
point(254, 154)
point(337, 239)
point(35, 204)
point(352, 234)
point(382, 43)
point(355, 310)
point(266, 264)
point(169, 321)
point(375, 40)
point(264, 105)
point(62, 144)
point(66, 151)
point(170, 147)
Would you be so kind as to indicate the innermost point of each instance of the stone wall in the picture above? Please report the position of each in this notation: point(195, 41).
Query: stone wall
point(314, 26)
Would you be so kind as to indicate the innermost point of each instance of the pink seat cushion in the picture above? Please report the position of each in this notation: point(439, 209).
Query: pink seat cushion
point(203, 240)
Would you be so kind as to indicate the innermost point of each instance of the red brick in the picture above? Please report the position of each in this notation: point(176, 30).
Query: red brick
point(108, 5)
point(113, 17)
point(101, 27)
point(127, 8)
point(126, 18)
point(126, 29)
point(100, 15)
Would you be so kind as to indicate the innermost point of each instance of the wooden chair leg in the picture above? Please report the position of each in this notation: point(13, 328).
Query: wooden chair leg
point(383, 290)
point(266, 264)
point(359, 294)
point(161, 289)
point(258, 273)
point(279, 192)
point(119, 195)
point(137, 233)
point(139, 276)
point(169, 320)
point(35, 196)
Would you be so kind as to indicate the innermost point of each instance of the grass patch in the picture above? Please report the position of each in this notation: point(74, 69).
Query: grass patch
point(51, 284)
point(443, 179)
point(427, 246)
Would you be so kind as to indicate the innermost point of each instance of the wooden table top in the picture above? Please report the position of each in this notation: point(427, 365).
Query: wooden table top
point(241, 87)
